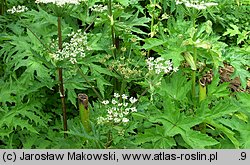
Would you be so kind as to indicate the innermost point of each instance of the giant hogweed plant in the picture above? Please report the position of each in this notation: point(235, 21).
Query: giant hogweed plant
point(44, 61)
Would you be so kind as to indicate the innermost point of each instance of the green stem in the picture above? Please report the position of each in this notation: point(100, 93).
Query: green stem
point(194, 76)
point(109, 139)
point(84, 111)
point(60, 73)
point(123, 85)
point(3, 7)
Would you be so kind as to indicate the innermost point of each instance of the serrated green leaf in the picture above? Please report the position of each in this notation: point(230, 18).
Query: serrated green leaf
point(242, 127)
point(244, 100)
point(240, 71)
point(33, 117)
point(230, 134)
point(198, 140)
point(219, 110)
point(135, 21)
point(232, 32)
point(175, 54)
point(152, 42)
point(24, 124)
point(177, 88)
point(102, 70)
point(101, 82)
point(72, 85)
point(217, 90)
point(242, 36)
point(5, 132)
point(125, 3)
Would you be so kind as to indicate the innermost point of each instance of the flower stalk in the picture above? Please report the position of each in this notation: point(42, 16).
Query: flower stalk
point(3, 6)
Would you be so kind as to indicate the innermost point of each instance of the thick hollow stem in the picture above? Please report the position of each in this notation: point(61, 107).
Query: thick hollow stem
point(194, 77)
point(60, 75)
point(84, 111)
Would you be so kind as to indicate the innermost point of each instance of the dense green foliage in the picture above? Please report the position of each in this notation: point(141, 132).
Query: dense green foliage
point(201, 102)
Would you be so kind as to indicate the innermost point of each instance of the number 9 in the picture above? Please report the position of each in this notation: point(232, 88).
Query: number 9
point(243, 156)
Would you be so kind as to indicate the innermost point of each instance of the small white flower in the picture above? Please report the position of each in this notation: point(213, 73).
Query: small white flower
point(133, 109)
point(116, 95)
point(168, 62)
point(125, 120)
point(110, 117)
point(124, 96)
point(73, 60)
point(114, 101)
point(17, 9)
point(117, 120)
point(59, 2)
point(158, 71)
point(126, 112)
point(120, 104)
point(159, 59)
point(110, 111)
point(100, 120)
point(125, 104)
point(115, 114)
point(200, 5)
point(175, 69)
point(114, 108)
point(105, 102)
point(132, 100)
point(211, 4)
point(166, 71)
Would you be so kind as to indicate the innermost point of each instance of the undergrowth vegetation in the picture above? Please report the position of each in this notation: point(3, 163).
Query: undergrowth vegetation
point(125, 74)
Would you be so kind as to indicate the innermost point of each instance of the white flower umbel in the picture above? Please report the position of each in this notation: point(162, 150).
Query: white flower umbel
point(99, 8)
point(159, 65)
point(118, 109)
point(73, 49)
point(59, 2)
point(17, 9)
point(197, 4)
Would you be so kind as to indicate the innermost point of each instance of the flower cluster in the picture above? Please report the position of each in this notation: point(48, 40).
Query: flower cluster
point(59, 2)
point(197, 4)
point(74, 48)
point(17, 9)
point(160, 65)
point(118, 109)
point(99, 8)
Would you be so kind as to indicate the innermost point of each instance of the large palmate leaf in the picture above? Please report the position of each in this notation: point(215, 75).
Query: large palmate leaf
point(197, 139)
point(240, 126)
point(176, 87)
point(156, 137)
point(239, 59)
point(220, 109)
point(244, 102)
point(217, 90)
